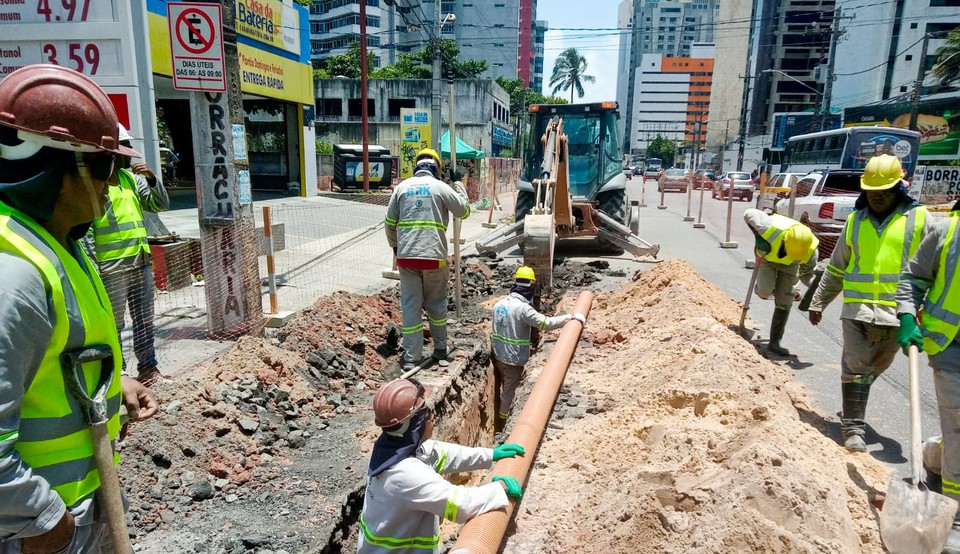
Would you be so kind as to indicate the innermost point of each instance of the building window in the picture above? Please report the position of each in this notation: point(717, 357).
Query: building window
point(942, 3)
point(353, 107)
point(330, 106)
point(908, 57)
point(394, 105)
point(913, 25)
point(446, 7)
point(903, 89)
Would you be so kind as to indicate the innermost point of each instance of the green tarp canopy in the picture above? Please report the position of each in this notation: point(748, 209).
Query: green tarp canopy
point(464, 150)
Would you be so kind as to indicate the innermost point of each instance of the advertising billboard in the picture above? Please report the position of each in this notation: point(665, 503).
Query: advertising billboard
point(414, 136)
point(938, 122)
point(790, 124)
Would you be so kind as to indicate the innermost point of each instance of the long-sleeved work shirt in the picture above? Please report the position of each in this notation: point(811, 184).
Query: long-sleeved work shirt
point(513, 317)
point(832, 285)
point(759, 222)
point(403, 505)
point(418, 215)
point(922, 268)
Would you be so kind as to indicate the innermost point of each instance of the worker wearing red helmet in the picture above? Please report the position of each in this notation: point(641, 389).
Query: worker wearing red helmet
point(406, 493)
point(58, 149)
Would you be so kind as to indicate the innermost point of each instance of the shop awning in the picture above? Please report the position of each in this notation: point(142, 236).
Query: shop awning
point(464, 150)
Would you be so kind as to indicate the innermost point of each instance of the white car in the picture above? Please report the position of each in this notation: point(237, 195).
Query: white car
point(824, 199)
point(777, 188)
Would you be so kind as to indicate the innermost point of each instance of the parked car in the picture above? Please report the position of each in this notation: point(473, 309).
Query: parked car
point(824, 199)
point(742, 185)
point(704, 178)
point(674, 179)
point(777, 189)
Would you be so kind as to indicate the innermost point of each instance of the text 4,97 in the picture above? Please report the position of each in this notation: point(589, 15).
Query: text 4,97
point(71, 8)
point(78, 54)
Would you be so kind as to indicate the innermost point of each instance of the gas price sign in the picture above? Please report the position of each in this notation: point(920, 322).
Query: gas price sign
point(56, 11)
point(96, 58)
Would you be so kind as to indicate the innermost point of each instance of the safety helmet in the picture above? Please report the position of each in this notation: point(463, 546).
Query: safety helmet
point(797, 242)
point(397, 401)
point(123, 135)
point(525, 272)
point(60, 108)
point(429, 153)
point(882, 172)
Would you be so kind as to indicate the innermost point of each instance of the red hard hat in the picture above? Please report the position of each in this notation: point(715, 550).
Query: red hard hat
point(60, 108)
point(397, 401)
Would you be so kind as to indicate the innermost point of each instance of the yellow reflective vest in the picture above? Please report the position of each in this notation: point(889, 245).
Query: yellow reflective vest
point(774, 235)
point(121, 232)
point(53, 438)
point(877, 259)
point(941, 309)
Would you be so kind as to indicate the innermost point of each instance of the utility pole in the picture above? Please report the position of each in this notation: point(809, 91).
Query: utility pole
point(363, 97)
point(435, 104)
point(918, 85)
point(835, 34)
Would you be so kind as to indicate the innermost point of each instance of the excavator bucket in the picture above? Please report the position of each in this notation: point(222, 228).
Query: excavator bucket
point(539, 238)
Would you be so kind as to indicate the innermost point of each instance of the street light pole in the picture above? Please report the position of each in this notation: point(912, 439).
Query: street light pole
point(696, 166)
point(435, 101)
point(364, 127)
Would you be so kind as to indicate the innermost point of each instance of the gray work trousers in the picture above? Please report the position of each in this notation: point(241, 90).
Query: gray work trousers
point(423, 289)
point(868, 350)
point(508, 378)
point(88, 539)
point(946, 379)
point(134, 287)
point(777, 281)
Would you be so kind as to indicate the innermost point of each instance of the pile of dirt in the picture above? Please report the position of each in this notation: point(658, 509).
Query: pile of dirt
point(675, 435)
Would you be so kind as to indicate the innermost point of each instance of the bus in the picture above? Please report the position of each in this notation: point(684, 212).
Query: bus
point(850, 148)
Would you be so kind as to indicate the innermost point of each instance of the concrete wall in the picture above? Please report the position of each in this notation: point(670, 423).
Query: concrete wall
point(727, 91)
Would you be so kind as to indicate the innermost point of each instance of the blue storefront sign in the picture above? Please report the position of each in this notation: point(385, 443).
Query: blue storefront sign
point(502, 136)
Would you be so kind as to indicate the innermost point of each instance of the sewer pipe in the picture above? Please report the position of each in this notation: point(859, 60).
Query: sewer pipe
point(484, 533)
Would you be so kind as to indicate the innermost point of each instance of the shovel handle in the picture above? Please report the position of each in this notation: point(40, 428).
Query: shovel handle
point(916, 452)
point(746, 301)
point(108, 495)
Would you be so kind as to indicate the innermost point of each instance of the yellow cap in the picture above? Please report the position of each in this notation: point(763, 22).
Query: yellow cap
point(882, 172)
point(797, 242)
point(525, 272)
point(429, 153)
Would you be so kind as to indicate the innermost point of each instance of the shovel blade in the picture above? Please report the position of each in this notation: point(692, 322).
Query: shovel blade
point(915, 521)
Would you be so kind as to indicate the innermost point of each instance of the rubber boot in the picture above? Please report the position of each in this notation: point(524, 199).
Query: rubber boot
point(952, 545)
point(777, 327)
point(852, 424)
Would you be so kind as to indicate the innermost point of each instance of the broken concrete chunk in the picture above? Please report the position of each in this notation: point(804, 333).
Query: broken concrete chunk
point(247, 425)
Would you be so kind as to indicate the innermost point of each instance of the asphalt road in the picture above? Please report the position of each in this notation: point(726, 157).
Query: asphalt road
point(817, 349)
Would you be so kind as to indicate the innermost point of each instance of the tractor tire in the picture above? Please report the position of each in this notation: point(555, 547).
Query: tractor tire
point(614, 204)
point(525, 202)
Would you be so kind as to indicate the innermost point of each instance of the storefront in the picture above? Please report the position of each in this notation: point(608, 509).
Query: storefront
point(277, 84)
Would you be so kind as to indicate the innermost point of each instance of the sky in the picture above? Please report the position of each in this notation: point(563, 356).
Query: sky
point(598, 47)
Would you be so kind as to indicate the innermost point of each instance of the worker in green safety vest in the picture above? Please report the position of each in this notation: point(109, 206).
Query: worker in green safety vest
point(931, 281)
point(58, 147)
point(119, 242)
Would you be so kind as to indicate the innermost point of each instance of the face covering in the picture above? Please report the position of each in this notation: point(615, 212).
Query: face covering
point(389, 450)
point(523, 290)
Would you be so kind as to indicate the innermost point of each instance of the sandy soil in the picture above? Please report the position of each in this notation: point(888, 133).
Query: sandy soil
point(690, 440)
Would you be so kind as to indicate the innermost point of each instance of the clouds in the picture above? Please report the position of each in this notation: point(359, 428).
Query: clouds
point(600, 50)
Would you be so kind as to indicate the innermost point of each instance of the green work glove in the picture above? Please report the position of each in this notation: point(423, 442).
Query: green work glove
point(512, 485)
point(909, 333)
point(507, 450)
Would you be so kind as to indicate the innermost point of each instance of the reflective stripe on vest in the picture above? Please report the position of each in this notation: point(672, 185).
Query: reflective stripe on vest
point(53, 438)
point(121, 232)
point(876, 260)
point(395, 543)
point(941, 311)
point(774, 235)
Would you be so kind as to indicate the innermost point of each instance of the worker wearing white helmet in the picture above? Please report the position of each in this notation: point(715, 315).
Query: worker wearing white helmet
point(406, 493)
point(513, 318)
point(118, 241)
point(789, 252)
point(875, 245)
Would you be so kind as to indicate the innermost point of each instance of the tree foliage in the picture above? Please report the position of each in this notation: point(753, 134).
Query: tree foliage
point(521, 96)
point(947, 68)
point(346, 64)
point(570, 72)
point(417, 65)
point(662, 148)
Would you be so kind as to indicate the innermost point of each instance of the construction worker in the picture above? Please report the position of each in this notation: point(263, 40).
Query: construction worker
point(513, 318)
point(406, 494)
point(416, 226)
point(877, 241)
point(58, 146)
point(119, 242)
point(789, 252)
point(931, 280)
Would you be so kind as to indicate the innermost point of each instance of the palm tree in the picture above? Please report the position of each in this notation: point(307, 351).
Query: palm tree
point(947, 68)
point(569, 72)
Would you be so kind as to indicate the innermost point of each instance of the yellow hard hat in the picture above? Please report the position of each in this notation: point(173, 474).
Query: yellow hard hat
point(797, 242)
point(429, 153)
point(525, 272)
point(882, 172)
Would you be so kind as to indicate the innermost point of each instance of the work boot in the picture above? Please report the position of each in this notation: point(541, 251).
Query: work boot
point(441, 357)
point(408, 365)
point(852, 424)
point(777, 326)
point(933, 481)
point(952, 545)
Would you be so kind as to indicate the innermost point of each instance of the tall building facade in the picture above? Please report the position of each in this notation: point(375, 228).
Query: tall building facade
point(665, 27)
point(625, 26)
point(540, 34)
point(673, 95)
point(733, 45)
point(335, 24)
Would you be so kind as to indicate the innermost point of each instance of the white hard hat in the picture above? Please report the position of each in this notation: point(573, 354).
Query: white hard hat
point(124, 134)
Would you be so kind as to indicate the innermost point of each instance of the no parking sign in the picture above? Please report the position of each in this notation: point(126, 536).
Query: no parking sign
point(196, 45)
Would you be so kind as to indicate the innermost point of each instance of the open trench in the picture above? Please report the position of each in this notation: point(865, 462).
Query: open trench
point(670, 434)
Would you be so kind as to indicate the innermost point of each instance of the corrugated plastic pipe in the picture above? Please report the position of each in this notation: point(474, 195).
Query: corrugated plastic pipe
point(484, 533)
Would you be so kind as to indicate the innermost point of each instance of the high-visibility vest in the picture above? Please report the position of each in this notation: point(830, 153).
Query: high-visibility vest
point(774, 235)
point(121, 232)
point(941, 310)
point(877, 260)
point(53, 437)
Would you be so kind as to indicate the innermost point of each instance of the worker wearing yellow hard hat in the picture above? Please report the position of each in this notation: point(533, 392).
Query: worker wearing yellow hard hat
point(514, 316)
point(787, 252)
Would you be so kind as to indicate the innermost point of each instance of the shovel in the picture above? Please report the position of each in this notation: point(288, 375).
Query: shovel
point(915, 520)
point(746, 301)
